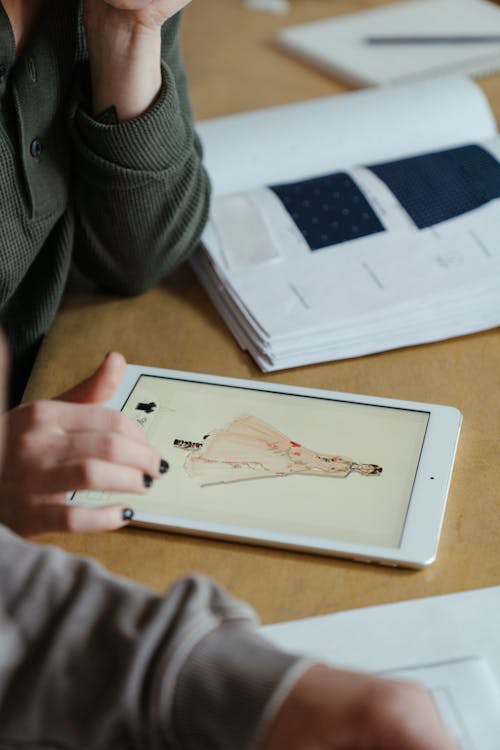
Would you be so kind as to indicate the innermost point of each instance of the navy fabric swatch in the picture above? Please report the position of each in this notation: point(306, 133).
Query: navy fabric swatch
point(436, 187)
point(328, 210)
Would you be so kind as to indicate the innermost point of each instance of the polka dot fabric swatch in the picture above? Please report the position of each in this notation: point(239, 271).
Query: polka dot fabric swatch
point(436, 187)
point(328, 210)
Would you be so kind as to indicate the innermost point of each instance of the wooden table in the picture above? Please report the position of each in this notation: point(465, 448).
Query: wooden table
point(233, 66)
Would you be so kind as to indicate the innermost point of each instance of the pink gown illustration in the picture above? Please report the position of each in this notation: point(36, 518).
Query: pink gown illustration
point(248, 448)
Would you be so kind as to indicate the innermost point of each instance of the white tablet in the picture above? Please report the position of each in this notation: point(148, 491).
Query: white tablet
point(334, 473)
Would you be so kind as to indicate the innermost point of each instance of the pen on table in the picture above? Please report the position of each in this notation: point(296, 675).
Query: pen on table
point(434, 39)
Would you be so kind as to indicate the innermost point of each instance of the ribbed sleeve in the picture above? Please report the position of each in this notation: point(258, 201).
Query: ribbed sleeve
point(142, 194)
point(239, 680)
point(97, 662)
point(158, 140)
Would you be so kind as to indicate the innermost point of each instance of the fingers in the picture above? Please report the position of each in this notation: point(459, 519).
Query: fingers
point(168, 8)
point(53, 450)
point(93, 474)
point(54, 416)
point(129, 4)
point(58, 447)
point(111, 447)
point(85, 473)
point(37, 514)
point(55, 447)
point(101, 386)
point(48, 462)
point(76, 519)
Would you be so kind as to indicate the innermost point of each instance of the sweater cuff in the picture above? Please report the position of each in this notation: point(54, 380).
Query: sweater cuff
point(151, 142)
point(230, 689)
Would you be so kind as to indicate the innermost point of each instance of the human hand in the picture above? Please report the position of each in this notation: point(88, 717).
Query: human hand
point(331, 709)
point(145, 14)
point(53, 447)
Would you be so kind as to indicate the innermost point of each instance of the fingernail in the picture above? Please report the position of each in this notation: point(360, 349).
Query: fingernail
point(148, 480)
point(163, 466)
point(127, 514)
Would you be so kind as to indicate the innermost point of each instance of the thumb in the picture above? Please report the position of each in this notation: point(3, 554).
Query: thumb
point(99, 387)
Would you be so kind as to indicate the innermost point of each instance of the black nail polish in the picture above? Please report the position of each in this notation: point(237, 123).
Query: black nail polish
point(127, 514)
point(148, 480)
point(164, 467)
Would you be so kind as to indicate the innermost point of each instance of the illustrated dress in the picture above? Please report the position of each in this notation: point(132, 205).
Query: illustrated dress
point(248, 448)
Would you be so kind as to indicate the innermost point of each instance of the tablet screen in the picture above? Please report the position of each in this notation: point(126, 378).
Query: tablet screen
point(303, 465)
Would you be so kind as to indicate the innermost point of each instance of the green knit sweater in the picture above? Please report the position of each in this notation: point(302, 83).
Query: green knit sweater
point(125, 201)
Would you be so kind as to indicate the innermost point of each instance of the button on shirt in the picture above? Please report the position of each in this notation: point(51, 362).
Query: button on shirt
point(36, 148)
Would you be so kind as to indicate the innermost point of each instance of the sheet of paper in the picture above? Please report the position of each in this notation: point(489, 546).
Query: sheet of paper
point(246, 151)
point(449, 643)
point(415, 632)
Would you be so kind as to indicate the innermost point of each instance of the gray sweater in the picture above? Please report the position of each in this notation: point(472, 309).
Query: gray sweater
point(93, 662)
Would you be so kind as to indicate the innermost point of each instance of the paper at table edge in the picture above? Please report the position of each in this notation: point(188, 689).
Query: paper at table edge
point(390, 636)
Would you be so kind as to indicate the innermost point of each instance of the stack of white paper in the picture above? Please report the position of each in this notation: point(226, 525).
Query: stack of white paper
point(354, 224)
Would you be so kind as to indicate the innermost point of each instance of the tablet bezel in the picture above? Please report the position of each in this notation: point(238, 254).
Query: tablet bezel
point(422, 527)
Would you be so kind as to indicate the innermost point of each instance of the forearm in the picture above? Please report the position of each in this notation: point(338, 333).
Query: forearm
point(89, 660)
point(124, 40)
point(125, 67)
point(142, 194)
point(135, 225)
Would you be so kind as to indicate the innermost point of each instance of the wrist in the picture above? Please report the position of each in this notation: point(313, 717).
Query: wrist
point(125, 65)
point(246, 669)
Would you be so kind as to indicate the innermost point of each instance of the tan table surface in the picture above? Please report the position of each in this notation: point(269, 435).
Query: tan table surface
point(233, 66)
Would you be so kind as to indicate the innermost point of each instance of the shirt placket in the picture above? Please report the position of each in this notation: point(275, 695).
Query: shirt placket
point(39, 83)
